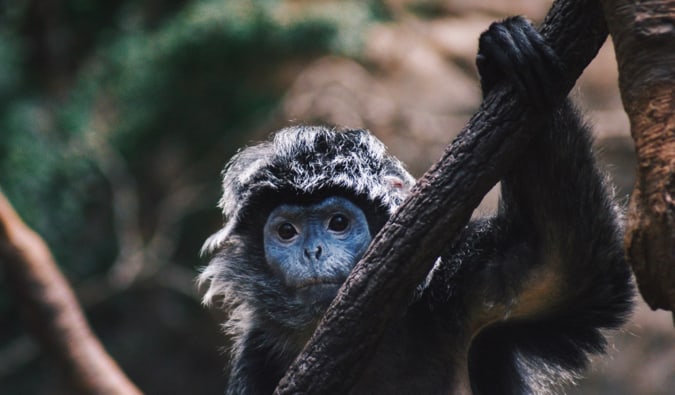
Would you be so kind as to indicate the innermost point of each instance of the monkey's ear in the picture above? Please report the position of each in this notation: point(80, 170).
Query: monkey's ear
point(398, 184)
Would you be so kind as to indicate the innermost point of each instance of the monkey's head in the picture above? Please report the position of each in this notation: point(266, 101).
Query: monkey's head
point(300, 210)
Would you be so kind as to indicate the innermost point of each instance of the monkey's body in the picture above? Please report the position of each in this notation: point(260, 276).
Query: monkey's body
point(514, 305)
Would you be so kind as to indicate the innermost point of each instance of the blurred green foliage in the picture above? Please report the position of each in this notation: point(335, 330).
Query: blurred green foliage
point(163, 85)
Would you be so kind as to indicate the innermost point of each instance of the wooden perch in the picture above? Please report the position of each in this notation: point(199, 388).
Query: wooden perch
point(440, 205)
point(52, 312)
point(644, 39)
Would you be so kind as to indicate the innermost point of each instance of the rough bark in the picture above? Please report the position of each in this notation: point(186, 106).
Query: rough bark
point(644, 39)
point(440, 205)
point(52, 312)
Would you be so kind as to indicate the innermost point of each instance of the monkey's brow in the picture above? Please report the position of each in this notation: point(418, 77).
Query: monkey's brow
point(330, 205)
point(305, 213)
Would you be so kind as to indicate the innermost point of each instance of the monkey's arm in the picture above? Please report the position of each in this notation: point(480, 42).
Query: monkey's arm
point(557, 237)
point(252, 371)
point(537, 282)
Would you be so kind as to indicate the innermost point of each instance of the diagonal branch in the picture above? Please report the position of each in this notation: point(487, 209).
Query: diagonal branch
point(52, 311)
point(440, 205)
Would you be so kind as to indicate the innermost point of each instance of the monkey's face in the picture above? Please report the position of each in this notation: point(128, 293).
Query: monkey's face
point(312, 248)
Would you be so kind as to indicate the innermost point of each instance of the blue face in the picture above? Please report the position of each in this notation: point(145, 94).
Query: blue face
point(313, 248)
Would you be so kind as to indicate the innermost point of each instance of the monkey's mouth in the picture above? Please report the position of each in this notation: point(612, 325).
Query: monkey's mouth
point(312, 282)
point(318, 292)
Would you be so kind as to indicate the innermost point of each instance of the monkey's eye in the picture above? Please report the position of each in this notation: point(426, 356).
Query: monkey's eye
point(338, 223)
point(286, 231)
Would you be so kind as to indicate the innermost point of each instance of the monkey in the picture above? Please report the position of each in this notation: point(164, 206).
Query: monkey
point(515, 304)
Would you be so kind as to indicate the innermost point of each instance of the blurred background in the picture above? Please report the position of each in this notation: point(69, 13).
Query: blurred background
point(116, 119)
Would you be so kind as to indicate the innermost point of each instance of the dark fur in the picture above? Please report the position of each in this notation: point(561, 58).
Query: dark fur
point(515, 305)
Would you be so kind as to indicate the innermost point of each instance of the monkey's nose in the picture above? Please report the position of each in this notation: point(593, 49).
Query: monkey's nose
point(317, 253)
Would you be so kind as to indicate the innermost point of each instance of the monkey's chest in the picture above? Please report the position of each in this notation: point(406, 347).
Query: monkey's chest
point(413, 358)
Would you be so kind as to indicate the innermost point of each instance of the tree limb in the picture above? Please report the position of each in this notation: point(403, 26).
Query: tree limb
point(52, 311)
point(439, 206)
point(644, 38)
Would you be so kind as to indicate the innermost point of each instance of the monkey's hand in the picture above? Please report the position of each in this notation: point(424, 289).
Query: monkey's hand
point(513, 51)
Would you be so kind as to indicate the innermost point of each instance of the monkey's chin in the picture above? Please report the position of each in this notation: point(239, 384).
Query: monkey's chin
point(318, 295)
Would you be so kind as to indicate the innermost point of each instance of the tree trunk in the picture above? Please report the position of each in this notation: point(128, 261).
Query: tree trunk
point(644, 39)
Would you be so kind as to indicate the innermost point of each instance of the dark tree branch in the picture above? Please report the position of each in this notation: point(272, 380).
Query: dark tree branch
point(53, 314)
point(440, 205)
